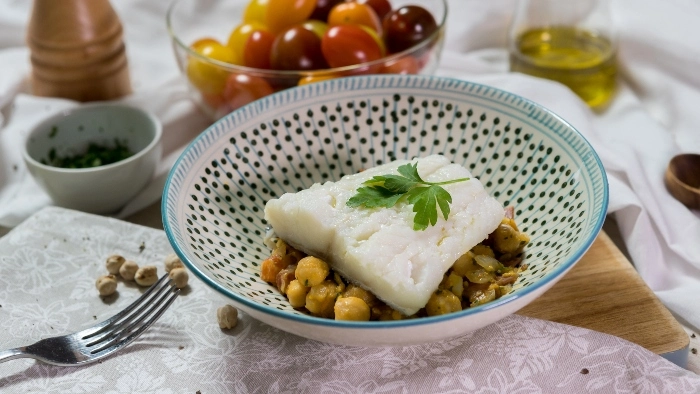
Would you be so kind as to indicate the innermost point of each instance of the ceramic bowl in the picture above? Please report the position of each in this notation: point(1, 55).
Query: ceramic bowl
point(218, 87)
point(103, 189)
point(525, 156)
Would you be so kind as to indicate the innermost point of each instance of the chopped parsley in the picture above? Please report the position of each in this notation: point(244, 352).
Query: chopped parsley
point(95, 156)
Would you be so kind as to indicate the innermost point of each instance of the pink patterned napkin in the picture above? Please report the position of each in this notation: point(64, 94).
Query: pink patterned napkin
point(48, 265)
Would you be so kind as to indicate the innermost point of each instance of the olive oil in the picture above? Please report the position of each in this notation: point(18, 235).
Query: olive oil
point(580, 59)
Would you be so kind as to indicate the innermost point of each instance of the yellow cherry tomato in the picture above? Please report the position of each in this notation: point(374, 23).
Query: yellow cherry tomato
point(255, 11)
point(209, 78)
point(282, 14)
point(315, 26)
point(239, 36)
point(315, 78)
point(352, 13)
point(199, 45)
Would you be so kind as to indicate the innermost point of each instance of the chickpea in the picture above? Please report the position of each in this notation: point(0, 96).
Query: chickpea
point(351, 308)
point(311, 271)
point(506, 239)
point(128, 270)
point(453, 283)
point(146, 276)
point(443, 302)
point(113, 263)
point(106, 285)
point(464, 264)
point(271, 267)
point(172, 261)
point(179, 277)
point(357, 291)
point(227, 317)
point(321, 299)
point(296, 293)
point(384, 312)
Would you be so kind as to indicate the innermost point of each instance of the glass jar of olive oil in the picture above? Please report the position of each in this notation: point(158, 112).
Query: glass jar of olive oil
point(572, 42)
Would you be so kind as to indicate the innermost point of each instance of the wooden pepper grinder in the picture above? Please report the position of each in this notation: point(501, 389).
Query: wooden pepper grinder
point(77, 50)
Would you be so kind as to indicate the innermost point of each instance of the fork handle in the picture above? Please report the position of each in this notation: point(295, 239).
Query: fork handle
point(11, 354)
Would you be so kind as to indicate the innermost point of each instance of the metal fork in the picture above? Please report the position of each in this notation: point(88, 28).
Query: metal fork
point(105, 338)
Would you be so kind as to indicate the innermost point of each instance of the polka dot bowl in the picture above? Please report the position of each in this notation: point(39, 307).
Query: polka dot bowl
point(525, 156)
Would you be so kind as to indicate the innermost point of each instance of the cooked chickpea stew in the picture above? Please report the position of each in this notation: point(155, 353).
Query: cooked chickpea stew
point(483, 274)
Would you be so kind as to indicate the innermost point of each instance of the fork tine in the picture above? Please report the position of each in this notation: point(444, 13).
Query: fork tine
point(105, 325)
point(115, 338)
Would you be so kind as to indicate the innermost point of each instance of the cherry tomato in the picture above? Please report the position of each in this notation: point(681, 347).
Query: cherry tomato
point(403, 65)
point(317, 27)
point(256, 11)
point(214, 100)
point(199, 45)
point(239, 36)
point(376, 37)
point(209, 78)
point(323, 7)
point(381, 7)
point(406, 27)
point(242, 89)
point(256, 52)
point(282, 14)
point(297, 49)
point(346, 45)
point(315, 78)
point(354, 14)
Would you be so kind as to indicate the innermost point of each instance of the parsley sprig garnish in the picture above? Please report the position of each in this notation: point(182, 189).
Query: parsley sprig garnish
point(386, 191)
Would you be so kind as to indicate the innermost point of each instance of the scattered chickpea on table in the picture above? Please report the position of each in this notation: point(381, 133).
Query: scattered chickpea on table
point(227, 317)
point(106, 285)
point(128, 270)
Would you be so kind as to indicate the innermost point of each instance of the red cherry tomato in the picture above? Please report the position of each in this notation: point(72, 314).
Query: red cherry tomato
point(346, 45)
point(239, 36)
point(381, 7)
point(242, 89)
point(256, 52)
point(404, 65)
point(213, 100)
point(323, 7)
point(406, 27)
point(297, 49)
point(354, 14)
point(282, 14)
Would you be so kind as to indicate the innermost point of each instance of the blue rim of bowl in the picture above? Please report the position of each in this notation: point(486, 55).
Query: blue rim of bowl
point(371, 325)
point(157, 135)
point(434, 38)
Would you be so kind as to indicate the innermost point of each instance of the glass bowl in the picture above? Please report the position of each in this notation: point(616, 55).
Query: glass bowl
point(192, 20)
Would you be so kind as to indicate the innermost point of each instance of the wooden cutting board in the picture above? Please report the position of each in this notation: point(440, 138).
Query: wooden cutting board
point(603, 292)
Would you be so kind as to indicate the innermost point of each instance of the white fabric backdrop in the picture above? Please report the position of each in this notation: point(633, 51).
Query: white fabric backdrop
point(653, 116)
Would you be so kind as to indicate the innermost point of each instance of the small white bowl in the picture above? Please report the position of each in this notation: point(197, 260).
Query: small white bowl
point(103, 189)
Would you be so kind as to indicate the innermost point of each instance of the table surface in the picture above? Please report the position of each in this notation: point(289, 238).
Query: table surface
point(151, 217)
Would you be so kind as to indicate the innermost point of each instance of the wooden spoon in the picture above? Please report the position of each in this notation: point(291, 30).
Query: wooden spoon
point(682, 179)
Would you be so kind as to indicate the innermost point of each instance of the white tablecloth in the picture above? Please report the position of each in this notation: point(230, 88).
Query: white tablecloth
point(49, 263)
point(653, 117)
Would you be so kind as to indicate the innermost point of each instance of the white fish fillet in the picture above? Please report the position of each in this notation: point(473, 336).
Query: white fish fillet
point(377, 248)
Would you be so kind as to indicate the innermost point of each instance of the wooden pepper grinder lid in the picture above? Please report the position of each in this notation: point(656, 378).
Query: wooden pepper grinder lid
point(77, 50)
